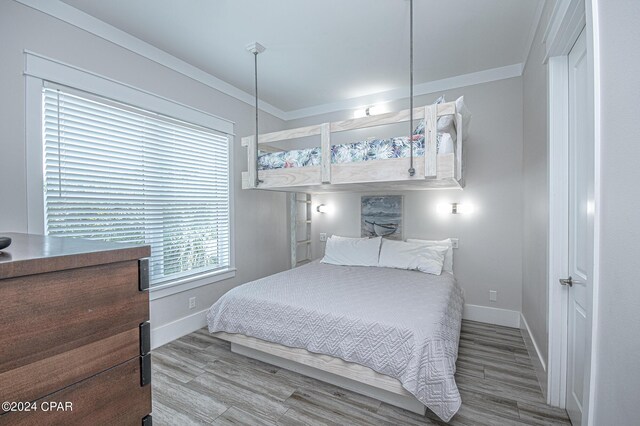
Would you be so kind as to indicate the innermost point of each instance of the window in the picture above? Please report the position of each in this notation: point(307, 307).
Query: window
point(118, 173)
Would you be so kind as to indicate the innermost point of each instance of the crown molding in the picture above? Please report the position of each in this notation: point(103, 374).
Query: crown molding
point(90, 24)
point(565, 25)
point(463, 80)
point(533, 31)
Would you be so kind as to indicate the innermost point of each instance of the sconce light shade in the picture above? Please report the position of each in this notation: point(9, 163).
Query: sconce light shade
point(323, 208)
point(465, 208)
point(359, 113)
point(443, 208)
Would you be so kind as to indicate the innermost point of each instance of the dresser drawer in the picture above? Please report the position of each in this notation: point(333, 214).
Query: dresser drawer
point(50, 314)
point(47, 375)
point(113, 397)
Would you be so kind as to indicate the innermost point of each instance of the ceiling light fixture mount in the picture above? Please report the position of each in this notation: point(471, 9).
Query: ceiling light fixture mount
point(255, 48)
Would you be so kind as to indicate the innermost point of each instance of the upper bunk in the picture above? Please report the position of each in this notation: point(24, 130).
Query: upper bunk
point(371, 165)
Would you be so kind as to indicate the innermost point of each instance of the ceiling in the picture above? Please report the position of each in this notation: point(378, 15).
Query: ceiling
point(327, 51)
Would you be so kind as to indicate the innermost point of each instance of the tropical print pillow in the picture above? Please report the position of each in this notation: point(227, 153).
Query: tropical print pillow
point(376, 149)
point(287, 159)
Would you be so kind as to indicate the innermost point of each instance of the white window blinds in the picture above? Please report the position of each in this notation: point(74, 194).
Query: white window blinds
point(117, 173)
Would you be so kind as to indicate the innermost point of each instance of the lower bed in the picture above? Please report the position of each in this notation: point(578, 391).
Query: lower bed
point(401, 324)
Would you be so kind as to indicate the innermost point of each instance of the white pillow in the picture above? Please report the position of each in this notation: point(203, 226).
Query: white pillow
point(446, 144)
point(448, 258)
point(466, 116)
point(352, 251)
point(445, 123)
point(420, 257)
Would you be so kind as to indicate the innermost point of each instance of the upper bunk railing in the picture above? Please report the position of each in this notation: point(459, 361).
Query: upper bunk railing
point(324, 130)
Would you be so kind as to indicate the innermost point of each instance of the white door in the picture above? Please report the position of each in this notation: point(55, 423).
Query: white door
point(581, 184)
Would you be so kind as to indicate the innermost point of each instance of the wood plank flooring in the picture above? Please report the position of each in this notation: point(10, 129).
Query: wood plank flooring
point(198, 380)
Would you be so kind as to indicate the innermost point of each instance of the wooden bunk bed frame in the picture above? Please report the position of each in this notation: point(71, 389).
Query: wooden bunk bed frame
point(443, 171)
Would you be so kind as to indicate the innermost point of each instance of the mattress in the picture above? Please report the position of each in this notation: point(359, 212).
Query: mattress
point(404, 324)
point(376, 149)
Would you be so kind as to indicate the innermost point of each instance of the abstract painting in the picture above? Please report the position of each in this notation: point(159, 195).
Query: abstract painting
point(381, 216)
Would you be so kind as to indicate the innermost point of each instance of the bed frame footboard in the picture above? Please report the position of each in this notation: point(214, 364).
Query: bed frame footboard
point(347, 375)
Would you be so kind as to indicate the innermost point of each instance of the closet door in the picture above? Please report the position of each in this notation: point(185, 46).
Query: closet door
point(581, 206)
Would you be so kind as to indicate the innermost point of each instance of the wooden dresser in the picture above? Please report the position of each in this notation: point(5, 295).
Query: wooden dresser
point(74, 332)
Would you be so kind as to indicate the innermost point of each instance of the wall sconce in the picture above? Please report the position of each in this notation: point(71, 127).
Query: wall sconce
point(368, 111)
point(323, 208)
point(455, 208)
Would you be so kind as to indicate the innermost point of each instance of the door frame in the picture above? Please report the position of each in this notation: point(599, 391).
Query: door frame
point(568, 19)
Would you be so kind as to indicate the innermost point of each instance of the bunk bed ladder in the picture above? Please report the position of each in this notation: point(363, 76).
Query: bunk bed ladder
point(300, 227)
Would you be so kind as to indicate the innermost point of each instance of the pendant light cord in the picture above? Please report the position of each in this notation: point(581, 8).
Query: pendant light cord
point(255, 69)
point(412, 171)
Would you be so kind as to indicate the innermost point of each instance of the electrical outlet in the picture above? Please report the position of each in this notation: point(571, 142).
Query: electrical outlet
point(454, 243)
point(192, 303)
point(493, 295)
point(323, 236)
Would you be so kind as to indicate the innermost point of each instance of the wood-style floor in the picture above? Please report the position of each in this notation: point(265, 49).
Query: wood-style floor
point(198, 380)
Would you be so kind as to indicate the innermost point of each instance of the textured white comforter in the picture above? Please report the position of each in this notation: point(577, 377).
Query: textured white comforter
point(404, 324)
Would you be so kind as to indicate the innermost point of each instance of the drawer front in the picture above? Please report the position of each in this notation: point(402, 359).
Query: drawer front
point(54, 313)
point(45, 376)
point(114, 397)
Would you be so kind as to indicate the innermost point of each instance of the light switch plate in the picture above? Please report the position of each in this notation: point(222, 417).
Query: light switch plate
point(493, 295)
point(323, 236)
point(454, 243)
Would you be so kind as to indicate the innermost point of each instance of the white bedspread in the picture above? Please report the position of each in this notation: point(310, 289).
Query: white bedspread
point(404, 324)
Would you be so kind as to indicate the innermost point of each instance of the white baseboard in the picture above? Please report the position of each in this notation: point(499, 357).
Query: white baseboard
point(489, 315)
point(178, 328)
point(539, 364)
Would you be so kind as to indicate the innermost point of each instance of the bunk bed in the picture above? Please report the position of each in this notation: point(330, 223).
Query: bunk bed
point(324, 169)
point(312, 319)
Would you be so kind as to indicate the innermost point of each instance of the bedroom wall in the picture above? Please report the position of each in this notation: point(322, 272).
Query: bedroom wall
point(260, 217)
point(490, 253)
point(535, 190)
point(617, 362)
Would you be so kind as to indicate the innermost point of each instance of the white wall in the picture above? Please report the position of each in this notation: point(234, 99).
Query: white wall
point(617, 368)
point(535, 189)
point(490, 253)
point(261, 241)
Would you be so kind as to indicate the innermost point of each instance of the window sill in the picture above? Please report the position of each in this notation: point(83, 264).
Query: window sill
point(189, 283)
